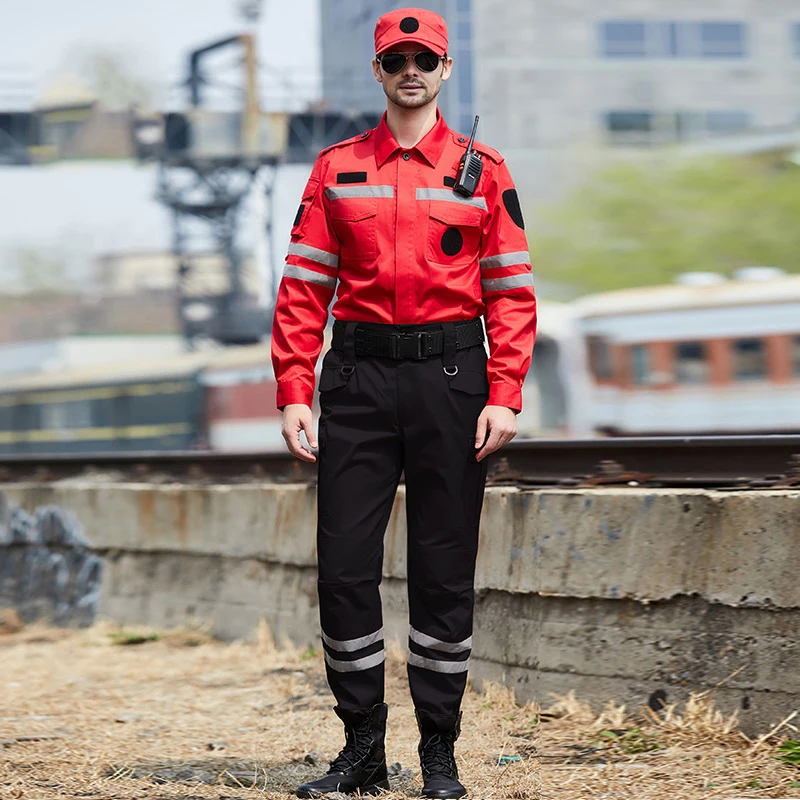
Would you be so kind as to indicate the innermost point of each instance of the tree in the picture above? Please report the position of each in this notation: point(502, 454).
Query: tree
point(643, 224)
point(38, 271)
point(113, 78)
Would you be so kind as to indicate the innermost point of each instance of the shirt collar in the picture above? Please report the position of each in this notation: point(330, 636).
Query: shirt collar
point(430, 147)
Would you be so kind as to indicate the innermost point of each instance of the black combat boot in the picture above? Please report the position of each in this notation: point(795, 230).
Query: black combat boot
point(361, 765)
point(438, 733)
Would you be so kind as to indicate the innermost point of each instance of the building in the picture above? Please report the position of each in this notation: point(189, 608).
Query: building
point(556, 81)
point(17, 94)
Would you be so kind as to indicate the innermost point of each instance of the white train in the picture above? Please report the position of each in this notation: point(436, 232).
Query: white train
point(705, 356)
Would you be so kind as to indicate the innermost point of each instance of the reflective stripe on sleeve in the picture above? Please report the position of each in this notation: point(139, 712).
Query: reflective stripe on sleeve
point(358, 665)
point(438, 644)
point(451, 197)
point(343, 192)
point(506, 260)
point(451, 667)
point(351, 645)
point(512, 282)
point(303, 274)
point(313, 254)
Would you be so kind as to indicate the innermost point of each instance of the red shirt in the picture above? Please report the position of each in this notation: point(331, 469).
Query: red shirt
point(382, 225)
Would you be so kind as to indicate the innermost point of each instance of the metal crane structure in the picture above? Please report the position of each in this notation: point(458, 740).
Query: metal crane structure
point(207, 170)
point(211, 163)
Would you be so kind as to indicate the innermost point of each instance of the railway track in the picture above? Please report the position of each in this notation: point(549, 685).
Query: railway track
point(753, 462)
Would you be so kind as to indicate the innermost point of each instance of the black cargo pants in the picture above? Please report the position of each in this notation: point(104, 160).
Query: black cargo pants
point(381, 417)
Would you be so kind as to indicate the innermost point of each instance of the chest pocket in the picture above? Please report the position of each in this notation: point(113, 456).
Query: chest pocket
point(355, 224)
point(454, 233)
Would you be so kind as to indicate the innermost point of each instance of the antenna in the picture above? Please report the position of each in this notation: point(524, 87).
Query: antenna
point(472, 136)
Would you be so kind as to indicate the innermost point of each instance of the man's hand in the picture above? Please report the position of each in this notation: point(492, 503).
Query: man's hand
point(297, 417)
point(501, 423)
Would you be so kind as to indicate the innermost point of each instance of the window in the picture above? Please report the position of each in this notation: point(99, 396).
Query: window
point(66, 416)
point(464, 30)
point(629, 121)
point(727, 121)
point(461, 95)
point(691, 362)
point(465, 86)
point(796, 356)
point(639, 39)
point(630, 127)
point(624, 39)
point(600, 358)
point(640, 363)
point(749, 360)
point(648, 127)
point(722, 40)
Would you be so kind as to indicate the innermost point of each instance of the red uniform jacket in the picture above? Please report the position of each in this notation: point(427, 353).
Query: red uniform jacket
point(384, 224)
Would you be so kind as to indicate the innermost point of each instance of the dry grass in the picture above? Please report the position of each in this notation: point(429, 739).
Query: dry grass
point(183, 716)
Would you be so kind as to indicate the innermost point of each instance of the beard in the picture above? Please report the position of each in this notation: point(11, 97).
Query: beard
point(417, 100)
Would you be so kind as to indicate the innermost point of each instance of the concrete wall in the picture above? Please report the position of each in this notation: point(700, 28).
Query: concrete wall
point(614, 593)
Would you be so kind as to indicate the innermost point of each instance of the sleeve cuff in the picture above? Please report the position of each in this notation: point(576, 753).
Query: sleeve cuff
point(294, 391)
point(506, 394)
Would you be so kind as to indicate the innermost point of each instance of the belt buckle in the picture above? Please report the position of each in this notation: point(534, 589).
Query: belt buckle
point(414, 351)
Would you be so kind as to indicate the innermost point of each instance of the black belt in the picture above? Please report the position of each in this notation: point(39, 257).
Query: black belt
point(410, 342)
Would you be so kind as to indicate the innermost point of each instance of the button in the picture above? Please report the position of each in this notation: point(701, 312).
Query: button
point(406, 157)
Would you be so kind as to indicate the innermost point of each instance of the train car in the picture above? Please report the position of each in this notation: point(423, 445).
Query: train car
point(158, 405)
point(545, 411)
point(710, 357)
point(222, 399)
point(240, 401)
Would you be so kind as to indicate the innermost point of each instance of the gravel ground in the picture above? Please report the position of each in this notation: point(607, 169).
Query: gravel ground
point(90, 714)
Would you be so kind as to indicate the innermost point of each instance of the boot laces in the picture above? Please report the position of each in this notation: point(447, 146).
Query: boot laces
point(437, 756)
point(357, 748)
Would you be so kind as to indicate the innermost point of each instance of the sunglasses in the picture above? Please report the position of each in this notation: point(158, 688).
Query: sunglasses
point(392, 63)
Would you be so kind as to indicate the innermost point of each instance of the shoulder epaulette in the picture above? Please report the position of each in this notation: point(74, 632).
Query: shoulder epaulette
point(479, 147)
point(485, 150)
point(352, 140)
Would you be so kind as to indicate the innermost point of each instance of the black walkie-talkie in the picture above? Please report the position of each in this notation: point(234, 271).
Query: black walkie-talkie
point(470, 168)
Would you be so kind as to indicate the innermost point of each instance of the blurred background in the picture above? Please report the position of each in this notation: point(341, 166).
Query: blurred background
point(152, 159)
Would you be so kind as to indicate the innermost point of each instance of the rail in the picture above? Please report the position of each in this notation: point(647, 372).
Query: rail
point(754, 462)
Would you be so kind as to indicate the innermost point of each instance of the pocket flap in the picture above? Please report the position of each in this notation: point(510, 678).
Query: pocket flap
point(455, 213)
point(331, 378)
point(351, 210)
point(470, 382)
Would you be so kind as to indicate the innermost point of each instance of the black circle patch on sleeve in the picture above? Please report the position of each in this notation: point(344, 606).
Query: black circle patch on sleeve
point(409, 25)
point(511, 202)
point(452, 241)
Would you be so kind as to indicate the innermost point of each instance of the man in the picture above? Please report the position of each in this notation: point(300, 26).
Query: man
point(405, 387)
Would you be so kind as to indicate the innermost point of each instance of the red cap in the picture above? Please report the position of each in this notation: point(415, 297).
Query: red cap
point(417, 25)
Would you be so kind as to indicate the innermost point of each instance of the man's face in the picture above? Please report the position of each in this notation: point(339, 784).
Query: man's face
point(412, 87)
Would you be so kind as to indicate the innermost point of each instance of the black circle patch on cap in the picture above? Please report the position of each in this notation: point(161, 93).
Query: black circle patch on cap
point(511, 202)
point(409, 25)
point(452, 241)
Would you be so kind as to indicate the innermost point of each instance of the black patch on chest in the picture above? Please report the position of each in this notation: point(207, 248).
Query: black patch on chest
point(449, 180)
point(511, 202)
point(452, 242)
point(299, 215)
point(409, 25)
point(351, 177)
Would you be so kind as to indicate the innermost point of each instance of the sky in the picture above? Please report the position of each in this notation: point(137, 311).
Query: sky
point(39, 37)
